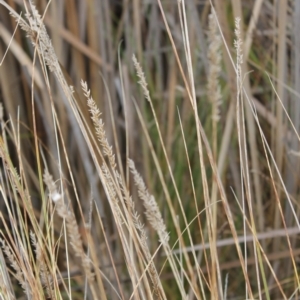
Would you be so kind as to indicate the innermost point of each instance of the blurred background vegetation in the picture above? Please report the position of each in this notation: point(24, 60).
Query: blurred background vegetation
point(88, 36)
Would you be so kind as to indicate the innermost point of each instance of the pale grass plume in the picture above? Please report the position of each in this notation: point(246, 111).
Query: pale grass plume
point(214, 57)
point(39, 37)
point(5, 284)
point(238, 45)
point(152, 210)
point(20, 275)
point(37, 33)
point(153, 274)
point(142, 80)
point(125, 225)
point(99, 125)
point(214, 95)
point(73, 231)
point(113, 196)
point(134, 224)
point(45, 276)
point(6, 290)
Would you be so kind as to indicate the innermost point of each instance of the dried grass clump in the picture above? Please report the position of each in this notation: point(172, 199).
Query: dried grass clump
point(109, 231)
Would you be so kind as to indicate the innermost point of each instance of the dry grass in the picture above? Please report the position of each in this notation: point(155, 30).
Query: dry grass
point(164, 166)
